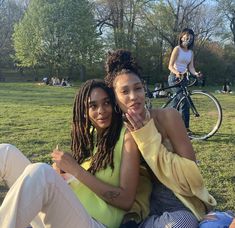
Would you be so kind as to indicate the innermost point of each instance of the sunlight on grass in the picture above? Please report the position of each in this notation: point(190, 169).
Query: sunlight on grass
point(37, 118)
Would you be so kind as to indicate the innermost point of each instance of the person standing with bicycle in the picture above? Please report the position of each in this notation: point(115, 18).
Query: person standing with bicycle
point(181, 61)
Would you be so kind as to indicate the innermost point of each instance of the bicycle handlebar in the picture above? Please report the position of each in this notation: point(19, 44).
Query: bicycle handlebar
point(180, 81)
point(187, 75)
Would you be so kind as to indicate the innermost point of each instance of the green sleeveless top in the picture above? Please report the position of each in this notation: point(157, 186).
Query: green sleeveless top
point(96, 207)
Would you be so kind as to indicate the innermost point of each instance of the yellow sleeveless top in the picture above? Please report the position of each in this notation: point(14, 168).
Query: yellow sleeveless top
point(96, 207)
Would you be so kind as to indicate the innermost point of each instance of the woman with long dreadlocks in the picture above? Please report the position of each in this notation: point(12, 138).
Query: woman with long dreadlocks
point(104, 165)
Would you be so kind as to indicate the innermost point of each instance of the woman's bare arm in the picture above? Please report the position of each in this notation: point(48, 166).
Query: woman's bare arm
point(192, 68)
point(173, 58)
point(122, 196)
point(175, 129)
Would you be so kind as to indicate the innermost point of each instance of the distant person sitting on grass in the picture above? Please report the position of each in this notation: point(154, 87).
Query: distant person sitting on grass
point(226, 88)
point(45, 80)
point(156, 92)
point(63, 82)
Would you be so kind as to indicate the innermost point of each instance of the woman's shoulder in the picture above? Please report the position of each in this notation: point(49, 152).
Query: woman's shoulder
point(164, 113)
point(162, 118)
point(176, 48)
point(166, 116)
point(166, 119)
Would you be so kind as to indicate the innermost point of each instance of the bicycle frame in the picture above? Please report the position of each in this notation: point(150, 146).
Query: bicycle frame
point(190, 98)
point(186, 93)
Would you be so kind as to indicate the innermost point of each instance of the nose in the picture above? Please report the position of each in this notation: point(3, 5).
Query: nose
point(132, 95)
point(101, 109)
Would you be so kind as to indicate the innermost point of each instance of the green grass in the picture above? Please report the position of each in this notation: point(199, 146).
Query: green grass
point(37, 118)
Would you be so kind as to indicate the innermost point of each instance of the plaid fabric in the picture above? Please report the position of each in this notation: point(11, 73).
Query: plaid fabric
point(176, 219)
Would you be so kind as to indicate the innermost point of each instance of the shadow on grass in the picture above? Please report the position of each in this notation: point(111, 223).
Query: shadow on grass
point(3, 191)
point(221, 137)
point(36, 141)
point(233, 181)
point(219, 198)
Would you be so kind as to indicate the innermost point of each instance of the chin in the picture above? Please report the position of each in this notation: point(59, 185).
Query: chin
point(138, 110)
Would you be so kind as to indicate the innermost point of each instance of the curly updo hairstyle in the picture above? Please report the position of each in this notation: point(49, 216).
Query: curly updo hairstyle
point(119, 62)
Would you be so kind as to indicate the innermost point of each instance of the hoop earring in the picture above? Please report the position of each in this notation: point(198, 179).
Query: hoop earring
point(117, 109)
point(148, 104)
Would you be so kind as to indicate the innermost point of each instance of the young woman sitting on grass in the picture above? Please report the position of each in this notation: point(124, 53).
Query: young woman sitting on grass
point(179, 197)
point(104, 165)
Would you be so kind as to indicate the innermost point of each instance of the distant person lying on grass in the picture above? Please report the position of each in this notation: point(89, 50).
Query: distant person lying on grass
point(102, 173)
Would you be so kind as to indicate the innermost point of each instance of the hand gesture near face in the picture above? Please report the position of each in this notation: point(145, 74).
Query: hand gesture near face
point(135, 120)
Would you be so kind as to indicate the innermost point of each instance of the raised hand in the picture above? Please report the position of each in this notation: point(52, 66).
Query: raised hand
point(135, 120)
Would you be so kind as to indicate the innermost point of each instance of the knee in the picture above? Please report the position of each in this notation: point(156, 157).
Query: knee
point(5, 147)
point(41, 171)
point(8, 148)
point(38, 168)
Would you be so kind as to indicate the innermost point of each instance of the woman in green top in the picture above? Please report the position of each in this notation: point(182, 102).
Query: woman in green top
point(104, 167)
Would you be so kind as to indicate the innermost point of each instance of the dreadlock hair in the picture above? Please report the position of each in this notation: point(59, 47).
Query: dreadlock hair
point(120, 62)
point(83, 133)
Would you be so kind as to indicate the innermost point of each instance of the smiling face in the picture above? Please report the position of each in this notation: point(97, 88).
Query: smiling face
point(129, 92)
point(100, 109)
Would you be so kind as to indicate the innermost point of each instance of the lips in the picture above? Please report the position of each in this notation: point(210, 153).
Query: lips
point(135, 106)
point(102, 119)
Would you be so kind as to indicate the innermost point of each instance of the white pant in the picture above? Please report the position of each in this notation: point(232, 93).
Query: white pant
point(37, 190)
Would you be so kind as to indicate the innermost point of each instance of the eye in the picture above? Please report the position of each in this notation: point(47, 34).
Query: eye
point(124, 91)
point(107, 103)
point(92, 106)
point(138, 88)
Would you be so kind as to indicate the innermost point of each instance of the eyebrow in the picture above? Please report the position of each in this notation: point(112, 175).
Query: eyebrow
point(135, 84)
point(95, 101)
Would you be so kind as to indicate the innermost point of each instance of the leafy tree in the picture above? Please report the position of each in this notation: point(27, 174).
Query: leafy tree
point(211, 62)
point(229, 58)
point(170, 17)
point(10, 12)
point(59, 34)
point(119, 19)
point(227, 8)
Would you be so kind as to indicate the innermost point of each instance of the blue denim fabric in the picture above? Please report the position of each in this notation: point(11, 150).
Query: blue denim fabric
point(216, 219)
point(184, 109)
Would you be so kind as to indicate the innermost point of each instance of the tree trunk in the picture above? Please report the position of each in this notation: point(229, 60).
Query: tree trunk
point(82, 73)
point(232, 27)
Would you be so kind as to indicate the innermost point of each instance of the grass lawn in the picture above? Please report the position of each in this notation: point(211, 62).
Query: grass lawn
point(37, 118)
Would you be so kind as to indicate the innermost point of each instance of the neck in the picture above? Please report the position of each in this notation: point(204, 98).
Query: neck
point(184, 48)
point(145, 114)
point(99, 131)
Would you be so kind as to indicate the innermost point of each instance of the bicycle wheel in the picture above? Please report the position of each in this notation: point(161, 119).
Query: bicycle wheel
point(206, 122)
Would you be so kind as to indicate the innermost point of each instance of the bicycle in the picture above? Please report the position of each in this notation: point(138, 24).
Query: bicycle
point(204, 107)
